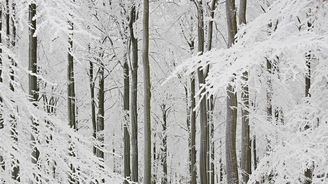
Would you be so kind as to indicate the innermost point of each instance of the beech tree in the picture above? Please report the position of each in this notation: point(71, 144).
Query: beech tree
point(231, 124)
point(147, 94)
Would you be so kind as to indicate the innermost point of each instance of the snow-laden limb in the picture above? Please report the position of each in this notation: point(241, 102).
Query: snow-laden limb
point(53, 139)
point(288, 33)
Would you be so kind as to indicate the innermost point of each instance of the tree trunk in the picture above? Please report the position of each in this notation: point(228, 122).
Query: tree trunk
point(254, 153)
point(203, 151)
point(231, 125)
point(93, 107)
point(134, 100)
point(71, 97)
point(210, 103)
point(245, 135)
point(71, 84)
point(147, 95)
point(308, 172)
point(101, 111)
point(126, 136)
point(165, 111)
point(193, 170)
point(2, 164)
point(33, 83)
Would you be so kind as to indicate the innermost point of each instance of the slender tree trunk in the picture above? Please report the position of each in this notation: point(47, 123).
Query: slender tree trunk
point(254, 153)
point(1, 80)
point(134, 96)
point(71, 84)
point(210, 103)
point(101, 110)
point(165, 111)
point(16, 168)
point(2, 164)
point(93, 107)
point(308, 172)
point(245, 134)
point(147, 95)
point(203, 151)
point(191, 122)
point(33, 83)
point(231, 125)
point(71, 97)
point(193, 170)
point(126, 136)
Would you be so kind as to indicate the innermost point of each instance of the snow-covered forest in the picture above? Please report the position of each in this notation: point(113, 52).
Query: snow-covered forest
point(164, 91)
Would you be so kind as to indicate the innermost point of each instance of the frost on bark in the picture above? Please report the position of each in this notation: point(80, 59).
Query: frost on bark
point(231, 121)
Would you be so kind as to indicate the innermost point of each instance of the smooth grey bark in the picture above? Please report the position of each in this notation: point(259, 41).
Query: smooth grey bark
point(203, 151)
point(147, 95)
point(242, 11)
point(126, 134)
point(231, 124)
point(134, 98)
point(245, 160)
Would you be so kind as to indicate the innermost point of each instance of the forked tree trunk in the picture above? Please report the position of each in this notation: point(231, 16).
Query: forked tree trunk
point(147, 95)
point(134, 96)
point(231, 124)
